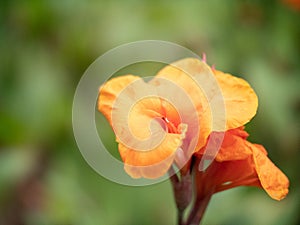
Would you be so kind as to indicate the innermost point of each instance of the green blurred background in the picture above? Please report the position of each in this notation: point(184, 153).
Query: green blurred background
point(45, 47)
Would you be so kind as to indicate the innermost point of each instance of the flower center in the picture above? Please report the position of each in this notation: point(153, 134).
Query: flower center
point(171, 127)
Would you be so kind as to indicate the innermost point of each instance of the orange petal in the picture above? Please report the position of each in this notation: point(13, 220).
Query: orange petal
point(153, 163)
point(110, 91)
point(240, 99)
point(220, 176)
point(272, 179)
point(188, 74)
point(147, 139)
point(133, 110)
point(235, 173)
point(240, 132)
point(234, 146)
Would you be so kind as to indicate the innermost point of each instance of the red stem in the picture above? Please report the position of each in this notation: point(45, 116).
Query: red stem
point(198, 210)
point(182, 189)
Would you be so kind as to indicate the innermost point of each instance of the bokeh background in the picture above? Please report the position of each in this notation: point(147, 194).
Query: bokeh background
point(45, 47)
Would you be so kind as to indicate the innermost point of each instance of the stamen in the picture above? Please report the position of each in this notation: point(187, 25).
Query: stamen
point(170, 125)
point(166, 119)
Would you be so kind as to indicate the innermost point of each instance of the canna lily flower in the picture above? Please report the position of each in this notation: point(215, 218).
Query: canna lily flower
point(172, 119)
point(156, 126)
point(173, 109)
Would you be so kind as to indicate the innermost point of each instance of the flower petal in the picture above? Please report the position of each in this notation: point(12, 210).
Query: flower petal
point(188, 74)
point(153, 163)
point(234, 146)
point(240, 99)
point(235, 173)
point(272, 179)
point(147, 127)
point(220, 176)
point(134, 112)
point(110, 91)
point(240, 163)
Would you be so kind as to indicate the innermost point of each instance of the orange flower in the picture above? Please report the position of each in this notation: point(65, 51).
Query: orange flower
point(238, 163)
point(173, 119)
point(169, 119)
